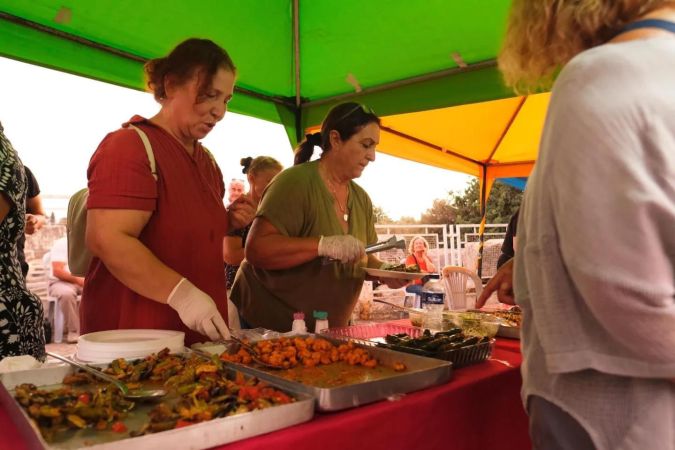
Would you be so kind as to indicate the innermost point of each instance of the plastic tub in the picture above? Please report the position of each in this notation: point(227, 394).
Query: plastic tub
point(477, 324)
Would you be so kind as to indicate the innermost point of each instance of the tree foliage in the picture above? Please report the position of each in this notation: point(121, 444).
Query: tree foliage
point(381, 216)
point(406, 220)
point(441, 212)
point(503, 202)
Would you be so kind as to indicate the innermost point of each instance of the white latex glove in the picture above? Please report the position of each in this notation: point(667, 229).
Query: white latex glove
point(198, 311)
point(345, 248)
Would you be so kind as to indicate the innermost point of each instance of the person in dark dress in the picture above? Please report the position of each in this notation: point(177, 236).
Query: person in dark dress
point(21, 314)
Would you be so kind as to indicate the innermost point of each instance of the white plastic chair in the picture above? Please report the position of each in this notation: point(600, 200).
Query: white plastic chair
point(37, 281)
point(455, 280)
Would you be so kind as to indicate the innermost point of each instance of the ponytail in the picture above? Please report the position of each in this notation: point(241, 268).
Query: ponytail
point(305, 150)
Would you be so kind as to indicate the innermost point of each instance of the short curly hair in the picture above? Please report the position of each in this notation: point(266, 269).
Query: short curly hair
point(183, 62)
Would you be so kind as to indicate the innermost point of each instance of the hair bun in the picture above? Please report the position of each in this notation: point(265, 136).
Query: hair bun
point(246, 164)
point(314, 139)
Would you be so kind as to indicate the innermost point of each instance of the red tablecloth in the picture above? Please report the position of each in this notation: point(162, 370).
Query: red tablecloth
point(479, 408)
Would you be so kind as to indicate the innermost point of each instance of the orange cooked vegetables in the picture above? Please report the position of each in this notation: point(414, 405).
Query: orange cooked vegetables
point(307, 351)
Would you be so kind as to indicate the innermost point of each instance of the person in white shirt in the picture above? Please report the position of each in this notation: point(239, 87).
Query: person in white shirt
point(594, 271)
point(66, 287)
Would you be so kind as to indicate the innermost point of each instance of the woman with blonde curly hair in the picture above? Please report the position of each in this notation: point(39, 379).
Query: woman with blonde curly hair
point(418, 256)
point(599, 314)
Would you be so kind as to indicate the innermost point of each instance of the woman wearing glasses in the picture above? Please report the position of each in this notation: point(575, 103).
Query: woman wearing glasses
point(305, 250)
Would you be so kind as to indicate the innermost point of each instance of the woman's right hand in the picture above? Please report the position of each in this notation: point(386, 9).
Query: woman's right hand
point(198, 311)
point(345, 248)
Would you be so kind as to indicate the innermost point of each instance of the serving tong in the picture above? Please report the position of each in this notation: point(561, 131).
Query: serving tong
point(390, 243)
point(131, 394)
point(255, 355)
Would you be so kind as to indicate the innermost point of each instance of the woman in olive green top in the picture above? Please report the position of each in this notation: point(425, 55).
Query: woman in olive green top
point(305, 250)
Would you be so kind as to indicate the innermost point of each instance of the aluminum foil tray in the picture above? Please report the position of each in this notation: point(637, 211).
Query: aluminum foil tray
point(421, 373)
point(197, 436)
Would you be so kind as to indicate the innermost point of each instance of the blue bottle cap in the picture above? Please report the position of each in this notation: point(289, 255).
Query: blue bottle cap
point(320, 315)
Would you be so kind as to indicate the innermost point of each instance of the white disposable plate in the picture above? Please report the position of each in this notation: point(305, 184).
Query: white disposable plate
point(394, 274)
point(104, 346)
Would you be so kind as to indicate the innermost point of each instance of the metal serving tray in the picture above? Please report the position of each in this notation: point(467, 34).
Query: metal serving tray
point(198, 436)
point(508, 332)
point(421, 373)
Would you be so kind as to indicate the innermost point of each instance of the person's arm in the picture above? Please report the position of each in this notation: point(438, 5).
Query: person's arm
point(112, 236)
point(431, 268)
point(233, 250)
point(5, 206)
point(60, 272)
point(35, 214)
point(266, 248)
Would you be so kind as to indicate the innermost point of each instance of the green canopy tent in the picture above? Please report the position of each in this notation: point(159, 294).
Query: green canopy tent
point(295, 58)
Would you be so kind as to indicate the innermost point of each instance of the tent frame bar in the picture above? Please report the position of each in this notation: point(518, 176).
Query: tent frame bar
point(296, 52)
point(430, 145)
point(70, 37)
point(126, 55)
point(404, 82)
point(507, 128)
point(513, 163)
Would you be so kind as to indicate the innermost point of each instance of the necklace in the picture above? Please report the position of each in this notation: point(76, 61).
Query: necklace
point(331, 188)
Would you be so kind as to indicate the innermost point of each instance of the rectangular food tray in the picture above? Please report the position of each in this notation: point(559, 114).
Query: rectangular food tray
point(197, 436)
point(509, 332)
point(372, 335)
point(421, 373)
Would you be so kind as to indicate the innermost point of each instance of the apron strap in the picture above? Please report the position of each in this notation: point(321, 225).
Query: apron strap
point(650, 23)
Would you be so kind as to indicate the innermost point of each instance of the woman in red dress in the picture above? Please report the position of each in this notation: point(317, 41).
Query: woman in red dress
point(158, 242)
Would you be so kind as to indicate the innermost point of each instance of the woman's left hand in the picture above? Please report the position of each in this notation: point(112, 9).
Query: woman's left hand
point(241, 212)
point(394, 283)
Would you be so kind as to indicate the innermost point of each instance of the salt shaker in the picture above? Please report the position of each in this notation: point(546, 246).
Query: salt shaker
point(321, 321)
point(299, 325)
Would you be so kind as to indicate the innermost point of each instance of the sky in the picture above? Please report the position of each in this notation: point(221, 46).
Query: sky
point(56, 120)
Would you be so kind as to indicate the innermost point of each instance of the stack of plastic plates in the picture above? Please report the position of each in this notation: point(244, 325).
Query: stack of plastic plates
point(104, 346)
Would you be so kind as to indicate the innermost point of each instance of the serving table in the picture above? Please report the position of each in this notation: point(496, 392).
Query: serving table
point(480, 408)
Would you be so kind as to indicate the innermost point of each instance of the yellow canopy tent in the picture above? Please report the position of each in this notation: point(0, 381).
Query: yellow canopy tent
point(489, 140)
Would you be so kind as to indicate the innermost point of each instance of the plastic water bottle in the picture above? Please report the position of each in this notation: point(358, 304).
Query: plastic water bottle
point(320, 321)
point(299, 325)
point(433, 291)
